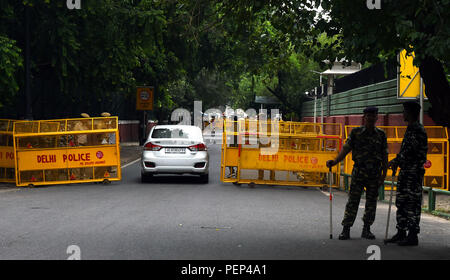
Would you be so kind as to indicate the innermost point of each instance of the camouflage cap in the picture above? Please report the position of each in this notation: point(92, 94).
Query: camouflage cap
point(371, 109)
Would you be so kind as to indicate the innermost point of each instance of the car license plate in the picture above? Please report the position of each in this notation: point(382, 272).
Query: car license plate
point(175, 150)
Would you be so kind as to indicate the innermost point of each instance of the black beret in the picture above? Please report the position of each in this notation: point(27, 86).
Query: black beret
point(371, 109)
point(411, 105)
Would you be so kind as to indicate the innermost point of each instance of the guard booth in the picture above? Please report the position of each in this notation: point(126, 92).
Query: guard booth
point(7, 174)
point(49, 152)
point(279, 153)
point(437, 165)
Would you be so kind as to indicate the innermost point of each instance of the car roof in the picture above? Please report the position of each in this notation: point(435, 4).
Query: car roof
point(195, 130)
point(177, 126)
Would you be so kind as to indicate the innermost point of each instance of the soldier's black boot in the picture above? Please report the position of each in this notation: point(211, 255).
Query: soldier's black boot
point(410, 240)
point(399, 236)
point(345, 234)
point(366, 233)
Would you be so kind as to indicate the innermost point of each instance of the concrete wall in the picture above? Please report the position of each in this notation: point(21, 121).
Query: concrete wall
point(129, 130)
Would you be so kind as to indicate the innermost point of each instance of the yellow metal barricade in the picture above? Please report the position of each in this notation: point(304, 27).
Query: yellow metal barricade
point(437, 165)
point(65, 151)
point(278, 153)
point(6, 151)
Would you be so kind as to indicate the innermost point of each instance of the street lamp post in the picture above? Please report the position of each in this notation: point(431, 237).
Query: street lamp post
point(321, 96)
point(315, 101)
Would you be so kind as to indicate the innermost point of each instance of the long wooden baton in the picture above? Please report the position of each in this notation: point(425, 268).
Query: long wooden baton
point(331, 204)
point(390, 204)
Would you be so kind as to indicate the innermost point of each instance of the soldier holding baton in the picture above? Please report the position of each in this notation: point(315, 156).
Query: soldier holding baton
point(410, 159)
point(368, 145)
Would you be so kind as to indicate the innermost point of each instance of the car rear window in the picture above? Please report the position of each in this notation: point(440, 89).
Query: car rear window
point(185, 133)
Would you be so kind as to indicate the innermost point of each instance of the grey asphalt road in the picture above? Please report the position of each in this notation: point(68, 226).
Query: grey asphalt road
point(180, 218)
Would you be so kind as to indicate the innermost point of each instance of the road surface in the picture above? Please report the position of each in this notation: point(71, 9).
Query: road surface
point(180, 218)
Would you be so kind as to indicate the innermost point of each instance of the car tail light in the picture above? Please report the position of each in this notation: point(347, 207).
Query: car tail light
point(149, 164)
point(198, 147)
point(152, 147)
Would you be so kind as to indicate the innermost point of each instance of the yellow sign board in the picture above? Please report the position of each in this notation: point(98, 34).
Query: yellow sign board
point(144, 98)
point(408, 78)
point(68, 158)
point(289, 160)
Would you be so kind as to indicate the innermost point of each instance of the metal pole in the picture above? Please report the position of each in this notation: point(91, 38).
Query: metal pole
point(330, 92)
point(321, 100)
point(144, 128)
point(331, 204)
point(390, 204)
point(421, 100)
point(315, 101)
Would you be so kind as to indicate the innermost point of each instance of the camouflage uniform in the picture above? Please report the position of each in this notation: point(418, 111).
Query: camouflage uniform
point(369, 150)
point(410, 159)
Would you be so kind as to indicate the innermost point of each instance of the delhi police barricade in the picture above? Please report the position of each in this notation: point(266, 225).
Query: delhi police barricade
point(279, 152)
point(7, 174)
point(437, 165)
point(49, 152)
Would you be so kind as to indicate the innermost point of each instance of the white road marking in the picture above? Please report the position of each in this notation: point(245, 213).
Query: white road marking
point(8, 190)
point(131, 163)
point(324, 193)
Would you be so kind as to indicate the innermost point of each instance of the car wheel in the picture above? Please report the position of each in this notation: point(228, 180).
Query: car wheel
point(146, 178)
point(204, 178)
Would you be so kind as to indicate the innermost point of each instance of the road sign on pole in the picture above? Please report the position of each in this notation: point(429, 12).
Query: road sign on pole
point(408, 79)
point(144, 98)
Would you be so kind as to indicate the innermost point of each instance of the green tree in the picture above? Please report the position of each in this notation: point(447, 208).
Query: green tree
point(366, 35)
point(10, 64)
point(89, 59)
point(375, 35)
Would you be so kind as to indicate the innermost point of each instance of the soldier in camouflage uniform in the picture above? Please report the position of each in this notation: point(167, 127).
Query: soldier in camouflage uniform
point(410, 159)
point(369, 153)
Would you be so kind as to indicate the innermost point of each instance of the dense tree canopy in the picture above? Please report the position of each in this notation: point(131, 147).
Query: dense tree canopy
point(92, 59)
point(421, 26)
point(220, 52)
point(373, 35)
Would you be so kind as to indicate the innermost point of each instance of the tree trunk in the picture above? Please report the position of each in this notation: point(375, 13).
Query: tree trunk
point(437, 90)
point(278, 92)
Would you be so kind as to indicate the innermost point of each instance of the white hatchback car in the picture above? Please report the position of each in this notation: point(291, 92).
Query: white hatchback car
point(175, 149)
